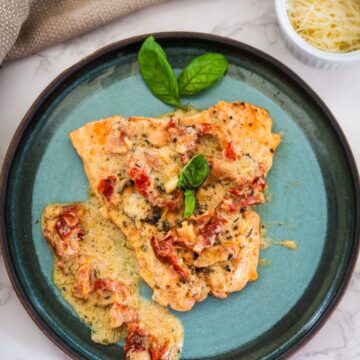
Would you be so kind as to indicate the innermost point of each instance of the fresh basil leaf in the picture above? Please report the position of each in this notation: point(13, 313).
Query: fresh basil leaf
point(183, 183)
point(158, 73)
point(194, 173)
point(191, 177)
point(201, 73)
point(190, 202)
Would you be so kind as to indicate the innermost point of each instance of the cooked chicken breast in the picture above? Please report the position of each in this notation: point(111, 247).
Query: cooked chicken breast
point(133, 167)
point(98, 275)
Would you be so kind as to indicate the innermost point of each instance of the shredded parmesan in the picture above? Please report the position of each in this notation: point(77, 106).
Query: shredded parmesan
point(330, 25)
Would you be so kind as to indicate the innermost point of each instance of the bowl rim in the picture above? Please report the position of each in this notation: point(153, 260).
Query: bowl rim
point(286, 26)
point(164, 36)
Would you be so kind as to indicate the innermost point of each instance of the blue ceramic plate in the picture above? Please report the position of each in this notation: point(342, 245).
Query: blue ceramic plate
point(314, 199)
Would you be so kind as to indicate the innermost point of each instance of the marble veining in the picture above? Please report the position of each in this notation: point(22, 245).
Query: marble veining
point(249, 21)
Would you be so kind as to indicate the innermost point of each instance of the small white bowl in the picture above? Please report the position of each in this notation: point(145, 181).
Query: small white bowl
point(307, 53)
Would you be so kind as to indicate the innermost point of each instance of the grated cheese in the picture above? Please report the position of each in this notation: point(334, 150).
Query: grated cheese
point(330, 25)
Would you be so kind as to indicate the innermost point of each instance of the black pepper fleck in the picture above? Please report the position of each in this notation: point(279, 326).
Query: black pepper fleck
point(249, 233)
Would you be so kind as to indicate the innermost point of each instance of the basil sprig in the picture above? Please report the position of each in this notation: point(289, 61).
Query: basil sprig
point(158, 73)
point(191, 178)
point(202, 72)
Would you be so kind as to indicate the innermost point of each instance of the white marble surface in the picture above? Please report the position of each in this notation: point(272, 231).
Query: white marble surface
point(250, 21)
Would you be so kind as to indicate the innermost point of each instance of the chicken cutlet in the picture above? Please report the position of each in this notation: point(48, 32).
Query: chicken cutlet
point(133, 167)
point(99, 277)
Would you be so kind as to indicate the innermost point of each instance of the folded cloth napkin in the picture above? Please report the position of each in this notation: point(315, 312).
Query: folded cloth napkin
point(26, 26)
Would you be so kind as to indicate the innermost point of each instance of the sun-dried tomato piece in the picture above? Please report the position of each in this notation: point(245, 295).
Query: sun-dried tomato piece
point(140, 340)
point(141, 180)
point(205, 129)
point(172, 123)
point(229, 205)
point(149, 191)
point(81, 234)
point(237, 192)
point(259, 183)
point(67, 221)
point(106, 186)
point(230, 151)
point(62, 228)
point(137, 339)
point(215, 130)
point(111, 291)
point(158, 351)
point(71, 209)
point(65, 232)
point(205, 228)
point(250, 194)
point(123, 134)
point(212, 229)
point(255, 199)
point(165, 252)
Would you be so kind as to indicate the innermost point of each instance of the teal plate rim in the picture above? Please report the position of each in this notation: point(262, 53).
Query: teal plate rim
point(168, 37)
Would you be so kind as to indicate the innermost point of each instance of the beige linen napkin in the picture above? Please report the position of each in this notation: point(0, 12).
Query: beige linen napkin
point(26, 26)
